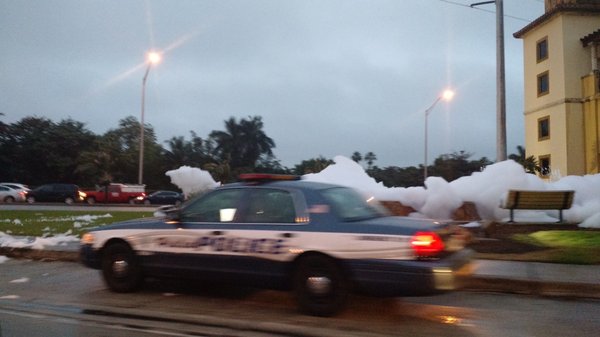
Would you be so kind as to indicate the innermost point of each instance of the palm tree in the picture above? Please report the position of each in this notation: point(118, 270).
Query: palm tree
point(179, 153)
point(243, 143)
point(530, 164)
point(255, 140)
point(370, 157)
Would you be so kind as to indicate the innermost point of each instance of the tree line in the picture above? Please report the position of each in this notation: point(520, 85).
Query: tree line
point(36, 150)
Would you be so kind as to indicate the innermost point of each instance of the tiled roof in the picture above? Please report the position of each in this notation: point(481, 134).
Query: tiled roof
point(593, 37)
point(563, 8)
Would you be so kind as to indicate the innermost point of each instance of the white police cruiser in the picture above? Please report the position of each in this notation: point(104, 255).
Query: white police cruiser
point(279, 232)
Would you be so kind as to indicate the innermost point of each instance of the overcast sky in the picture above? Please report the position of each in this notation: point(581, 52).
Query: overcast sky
point(328, 77)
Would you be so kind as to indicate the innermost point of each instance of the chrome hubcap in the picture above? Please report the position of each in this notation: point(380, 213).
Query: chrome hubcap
point(319, 285)
point(120, 268)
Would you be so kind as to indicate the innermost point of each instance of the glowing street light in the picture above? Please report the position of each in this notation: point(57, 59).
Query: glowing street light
point(152, 58)
point(447, 95)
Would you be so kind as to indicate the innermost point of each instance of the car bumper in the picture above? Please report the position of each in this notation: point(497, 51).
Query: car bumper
point(412, 278)
point(89, 256)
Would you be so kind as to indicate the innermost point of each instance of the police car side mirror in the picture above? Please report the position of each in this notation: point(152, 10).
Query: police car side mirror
point(170, 212)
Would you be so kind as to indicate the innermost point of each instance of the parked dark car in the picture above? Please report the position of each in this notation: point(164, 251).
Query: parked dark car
point(164, 198)
point(68, 193)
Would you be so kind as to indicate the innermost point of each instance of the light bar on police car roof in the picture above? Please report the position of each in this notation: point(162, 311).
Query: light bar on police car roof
point(267, 177)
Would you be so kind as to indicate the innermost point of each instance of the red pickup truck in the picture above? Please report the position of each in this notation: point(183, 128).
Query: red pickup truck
point(116, 193)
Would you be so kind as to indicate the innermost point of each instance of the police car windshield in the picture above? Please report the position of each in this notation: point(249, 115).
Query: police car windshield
point(350, 205)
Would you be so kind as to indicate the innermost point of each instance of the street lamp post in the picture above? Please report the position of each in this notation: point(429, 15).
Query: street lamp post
point(152, 58)
point(446, 95)
point(500, 80)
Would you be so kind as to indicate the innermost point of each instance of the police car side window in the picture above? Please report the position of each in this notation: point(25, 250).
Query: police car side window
point(218, 206)
point(270, 206)
point(349, 205)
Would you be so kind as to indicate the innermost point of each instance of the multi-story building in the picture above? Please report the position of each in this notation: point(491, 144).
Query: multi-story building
point(562, 87)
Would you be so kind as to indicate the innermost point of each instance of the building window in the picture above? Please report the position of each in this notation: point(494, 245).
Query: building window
point(544, 165)
point(541, 50)
point(543, 83)
point(544, 128)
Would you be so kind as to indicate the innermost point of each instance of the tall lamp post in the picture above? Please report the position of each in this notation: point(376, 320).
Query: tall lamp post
point(446, 95)
point(152, 58)
point(500, 80)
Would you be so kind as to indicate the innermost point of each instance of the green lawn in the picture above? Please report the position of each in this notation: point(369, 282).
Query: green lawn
point(576, 247)
point(563, 239)
point(50, 223)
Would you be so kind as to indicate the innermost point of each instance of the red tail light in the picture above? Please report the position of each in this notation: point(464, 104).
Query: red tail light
point(426, 244)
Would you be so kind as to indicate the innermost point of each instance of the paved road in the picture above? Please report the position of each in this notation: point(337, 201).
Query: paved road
point(66, 299)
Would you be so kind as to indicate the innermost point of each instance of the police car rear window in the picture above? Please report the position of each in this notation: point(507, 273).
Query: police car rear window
point(350, 205)
point(218, 206)
point(270, 206)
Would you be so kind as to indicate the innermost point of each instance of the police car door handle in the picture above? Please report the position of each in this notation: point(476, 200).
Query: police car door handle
point(286, 235)
point(216, 233)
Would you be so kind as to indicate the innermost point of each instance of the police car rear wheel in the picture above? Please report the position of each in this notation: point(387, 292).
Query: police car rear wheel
point(120, 268)
point(319, 286)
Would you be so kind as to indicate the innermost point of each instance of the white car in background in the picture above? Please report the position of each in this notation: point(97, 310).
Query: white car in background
point(17, 186)
point(8, 194)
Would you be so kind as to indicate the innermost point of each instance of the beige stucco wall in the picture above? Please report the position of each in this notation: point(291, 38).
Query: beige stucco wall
point(591, 115)
point(567, 62)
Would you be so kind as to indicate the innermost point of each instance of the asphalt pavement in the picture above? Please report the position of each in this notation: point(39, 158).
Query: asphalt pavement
point(531, 278)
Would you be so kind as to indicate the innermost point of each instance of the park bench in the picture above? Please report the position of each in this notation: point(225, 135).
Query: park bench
point(538, 200)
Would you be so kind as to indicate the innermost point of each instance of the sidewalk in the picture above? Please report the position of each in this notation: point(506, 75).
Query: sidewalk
point(532, 278)
point(535, 278)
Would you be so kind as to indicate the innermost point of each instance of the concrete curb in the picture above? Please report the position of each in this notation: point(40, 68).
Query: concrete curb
point(40, 254)
point(533, 287)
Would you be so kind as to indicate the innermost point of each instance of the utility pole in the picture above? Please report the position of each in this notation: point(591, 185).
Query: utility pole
point(500, 81)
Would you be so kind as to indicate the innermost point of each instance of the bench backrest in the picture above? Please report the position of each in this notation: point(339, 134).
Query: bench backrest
point(539, 199)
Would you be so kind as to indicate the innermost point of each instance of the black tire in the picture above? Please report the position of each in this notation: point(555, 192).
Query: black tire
point(319, 286)
point(9, 200)
point(132, 201)
point(30, 200)
point(91, 200)
point(120, 268)
point(146, 202)
point(69, 200)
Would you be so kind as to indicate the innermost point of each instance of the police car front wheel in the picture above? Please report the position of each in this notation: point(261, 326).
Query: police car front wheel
point(120, 268)
point(319, 286)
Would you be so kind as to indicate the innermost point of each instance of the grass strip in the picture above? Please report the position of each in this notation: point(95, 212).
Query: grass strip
point(51, 223)
point(562, 239)
point(570, 247)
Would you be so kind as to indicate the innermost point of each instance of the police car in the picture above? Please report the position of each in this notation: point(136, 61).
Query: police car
point(273, 231)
